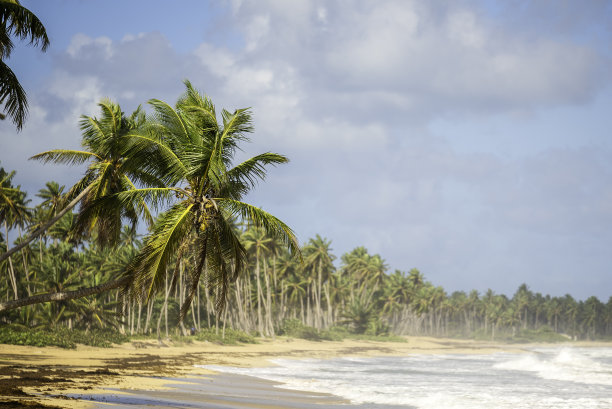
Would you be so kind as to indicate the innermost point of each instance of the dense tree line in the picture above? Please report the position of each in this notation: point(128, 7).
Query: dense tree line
point(210, 260)
point(358, 292)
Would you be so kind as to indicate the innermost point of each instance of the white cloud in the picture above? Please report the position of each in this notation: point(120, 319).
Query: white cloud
point(82, 44)
point(463, 27)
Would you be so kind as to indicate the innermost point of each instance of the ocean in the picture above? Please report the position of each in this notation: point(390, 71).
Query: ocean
point(559, 378)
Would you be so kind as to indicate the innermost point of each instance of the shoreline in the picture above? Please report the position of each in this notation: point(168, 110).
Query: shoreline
point(49, 375)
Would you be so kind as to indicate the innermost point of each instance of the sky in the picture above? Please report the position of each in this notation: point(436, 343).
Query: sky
point(468, 139)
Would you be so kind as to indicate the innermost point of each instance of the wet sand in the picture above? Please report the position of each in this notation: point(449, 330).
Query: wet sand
point(218, 391)
point(148, 371)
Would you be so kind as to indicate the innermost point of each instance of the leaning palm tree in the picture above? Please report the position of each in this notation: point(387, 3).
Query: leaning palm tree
point(109, 171)
point(17, 21)
point(192, 152)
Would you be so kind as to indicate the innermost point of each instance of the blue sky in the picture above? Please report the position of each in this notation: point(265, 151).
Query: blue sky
point(468, 139)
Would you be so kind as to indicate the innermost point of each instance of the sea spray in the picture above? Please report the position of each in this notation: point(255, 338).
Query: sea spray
point(560, 378)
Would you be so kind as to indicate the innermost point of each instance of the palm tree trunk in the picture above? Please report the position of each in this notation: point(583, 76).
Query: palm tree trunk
point(164, 309)
point(282, 302)
point(11, 271)
point(139, 315)
point(224, 322)
point(64, 295)
point(216, 313)
point(208, 307)
point(308, 311)
point(268, 304)
point(241, 312)
point(166, 304)
point(259, 296)
point(248, 302)
point(193, 316)
point(329, 305)
point(45, 226)
point(148, 319)
point(199, 309)
point(131, 317)
point(319, 296)
point(25, 265)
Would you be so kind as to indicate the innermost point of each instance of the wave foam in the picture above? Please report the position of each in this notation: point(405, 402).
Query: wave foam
point(565, 365)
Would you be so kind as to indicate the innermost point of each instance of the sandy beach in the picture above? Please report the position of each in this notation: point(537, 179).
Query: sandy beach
point(71, 378)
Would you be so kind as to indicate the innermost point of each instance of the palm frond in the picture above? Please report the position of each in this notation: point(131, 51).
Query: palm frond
point(273, 226)
point(67, 156)
point(200, 110)
point(170, 119)
point(171, 229)
point(23, 24)
point(156, 196)
point(249, 171)
point(90, 128)
point(146, 151)
point(236, 124)
point(12, 96)
point(102, 215)
point(111, 115)
point(140, 205)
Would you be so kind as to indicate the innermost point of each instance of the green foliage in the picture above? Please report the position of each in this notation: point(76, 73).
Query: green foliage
point(377, 327)
point(60, 337)
point(40, 338)
point(232, 336)
point(378, 338)
point(542, 334)
point(295, 328)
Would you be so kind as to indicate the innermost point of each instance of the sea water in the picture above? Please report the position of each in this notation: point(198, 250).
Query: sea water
point(560, 378)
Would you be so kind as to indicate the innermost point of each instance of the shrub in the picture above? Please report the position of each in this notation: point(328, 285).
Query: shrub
point(542, 334)
point(61, 337)
point(296, 329)
point(232, 336)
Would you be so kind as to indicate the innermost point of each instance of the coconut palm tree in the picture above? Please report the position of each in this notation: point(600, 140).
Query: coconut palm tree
point(109, 171)
point(257, 242)
point(318, 257)
point(192, 153)
point(53, 197)
point(13, 212)
point(16, 21)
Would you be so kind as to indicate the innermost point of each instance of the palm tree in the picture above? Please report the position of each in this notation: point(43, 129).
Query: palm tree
point(258, 242)
point(192, 153)
point(13, 212)
point(16, 21)
point(109, 171)
point(318, 258)
point(522, 298)
point(53, 197)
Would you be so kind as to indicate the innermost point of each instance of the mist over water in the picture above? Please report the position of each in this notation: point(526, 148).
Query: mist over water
point(560, 378)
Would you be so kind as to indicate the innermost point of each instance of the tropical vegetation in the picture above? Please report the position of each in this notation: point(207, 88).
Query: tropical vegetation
point(211, 264)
